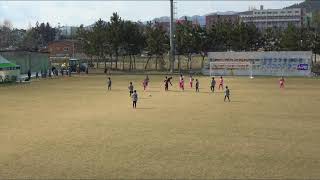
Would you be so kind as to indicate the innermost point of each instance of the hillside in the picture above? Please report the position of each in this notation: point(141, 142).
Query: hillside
point(309, 5)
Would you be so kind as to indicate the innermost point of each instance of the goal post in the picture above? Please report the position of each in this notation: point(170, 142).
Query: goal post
point(250, 70)
point(221, 68)
point(211, 69)
point(217, 69)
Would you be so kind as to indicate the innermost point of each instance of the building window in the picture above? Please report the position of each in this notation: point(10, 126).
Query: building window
point(65, 49)
point(289, 11)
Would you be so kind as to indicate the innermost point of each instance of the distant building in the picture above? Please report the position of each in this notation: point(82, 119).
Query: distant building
point(199, 20)
point(68, 31)
point(183, 21)
point(215, 18)
point(165, 26)
point(307, 19)
point(279, 18)
point(64, 50)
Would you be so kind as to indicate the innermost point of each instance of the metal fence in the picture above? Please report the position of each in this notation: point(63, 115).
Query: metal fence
point(34, 61)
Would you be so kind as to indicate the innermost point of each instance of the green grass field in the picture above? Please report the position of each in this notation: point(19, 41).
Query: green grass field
point(74, 128)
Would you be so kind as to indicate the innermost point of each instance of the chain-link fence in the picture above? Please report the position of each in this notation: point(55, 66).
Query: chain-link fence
point(34, 61)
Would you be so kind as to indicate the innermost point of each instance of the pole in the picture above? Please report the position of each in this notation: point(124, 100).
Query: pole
point(172, 53)
point(29, 61)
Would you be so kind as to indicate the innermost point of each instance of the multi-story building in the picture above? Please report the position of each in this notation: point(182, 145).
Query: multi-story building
point(165, 26)
point(279, 18)
point(215, 18)
point(199, 20)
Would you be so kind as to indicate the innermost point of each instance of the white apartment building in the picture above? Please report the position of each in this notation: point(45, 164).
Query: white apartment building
point(269, 18)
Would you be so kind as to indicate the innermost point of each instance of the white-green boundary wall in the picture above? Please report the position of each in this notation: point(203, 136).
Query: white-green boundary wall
point(271, 63)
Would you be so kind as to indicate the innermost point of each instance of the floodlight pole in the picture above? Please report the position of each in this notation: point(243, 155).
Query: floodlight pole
point(172, 53)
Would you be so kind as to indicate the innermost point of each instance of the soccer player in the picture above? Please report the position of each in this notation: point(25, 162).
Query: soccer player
point(166, 85)
point(227, 94)
point(167, 81)
point(29, 75)
point(213, 84)
point(109, 83)
point(130, 88)
point(147, 80)
point(197, 85)
point(221, 83)
point(191, 81)
point(281, 81)
point(145, 83)
point(181, 82)
point(134, 97)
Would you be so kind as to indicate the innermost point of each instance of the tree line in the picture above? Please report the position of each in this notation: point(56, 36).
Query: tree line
point(118, 40)
point(32, 39)
point(126, 39)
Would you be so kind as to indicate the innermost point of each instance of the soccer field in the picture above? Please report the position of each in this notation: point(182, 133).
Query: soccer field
point(74, 128)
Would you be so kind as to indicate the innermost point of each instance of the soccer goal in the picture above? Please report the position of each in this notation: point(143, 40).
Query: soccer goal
point(217, 69)
point(250, 70)
point(222, 68)
point(211, 69)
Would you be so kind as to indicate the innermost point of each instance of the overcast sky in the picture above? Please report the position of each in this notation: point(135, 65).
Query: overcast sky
point(23, 13)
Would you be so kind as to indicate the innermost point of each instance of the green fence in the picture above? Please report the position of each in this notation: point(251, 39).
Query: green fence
point(34, 61)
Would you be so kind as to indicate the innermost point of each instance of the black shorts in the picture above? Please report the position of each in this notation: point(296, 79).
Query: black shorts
point(130, 92)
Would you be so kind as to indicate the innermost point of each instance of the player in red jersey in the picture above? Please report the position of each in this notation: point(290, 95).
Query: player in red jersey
point(182, 84)
point(221, 82)
point(145, 83)
point(281, 81)
point(191, 81)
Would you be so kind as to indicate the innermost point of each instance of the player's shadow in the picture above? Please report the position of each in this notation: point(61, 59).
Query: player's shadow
point(117, 90)
point(205, 92)
point(176, 91)
point(219, 92)
point(153, 91)
point(144, 108)
point(143, 98)
point(235, 101)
